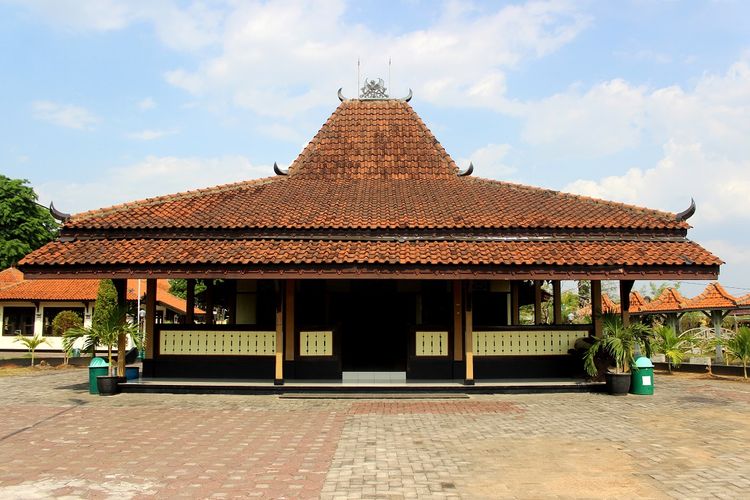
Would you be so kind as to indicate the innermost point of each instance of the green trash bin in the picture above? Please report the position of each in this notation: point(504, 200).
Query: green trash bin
point(97, 368)
point(642, 378)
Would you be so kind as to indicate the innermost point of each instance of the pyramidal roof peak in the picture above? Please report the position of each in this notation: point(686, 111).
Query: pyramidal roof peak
point(374, 139)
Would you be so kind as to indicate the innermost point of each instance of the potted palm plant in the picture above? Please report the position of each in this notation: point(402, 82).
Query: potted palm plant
point(619, 342)
point(104, 333)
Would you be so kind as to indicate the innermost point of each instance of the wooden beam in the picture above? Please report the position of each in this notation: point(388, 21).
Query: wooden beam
point(230, 300)
point(626, 286)
point(468, 335)
point(596, 307)
point(537, 302)
point(557, 300)
point(458, 338)
point(515, 313)
point(150, 317)
point(278, 378)
point(289, 320)
point(190, 302)
point(121, 286)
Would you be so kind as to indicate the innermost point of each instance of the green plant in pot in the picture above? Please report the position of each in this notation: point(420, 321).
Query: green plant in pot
point(104, 333)
point(620, 343)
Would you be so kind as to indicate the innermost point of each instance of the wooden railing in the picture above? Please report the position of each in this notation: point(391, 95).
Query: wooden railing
point(213, 341)
point(542, 340)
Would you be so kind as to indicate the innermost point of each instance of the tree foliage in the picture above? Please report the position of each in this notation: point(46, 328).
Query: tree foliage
point(105, 307)
point(64, 321)
point(738, 347)
point(618, 341)
point(24, 225)
point(672, 345)
point(106, 333)
point(31, 343)
point(178, 287)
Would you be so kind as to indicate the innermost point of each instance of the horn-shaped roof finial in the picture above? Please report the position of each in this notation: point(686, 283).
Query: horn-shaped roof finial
point(468, 171)
point(686, 214)
point(278, 171)
point(61, 216)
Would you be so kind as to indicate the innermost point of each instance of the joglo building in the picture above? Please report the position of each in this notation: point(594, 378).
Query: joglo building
point(372, 252)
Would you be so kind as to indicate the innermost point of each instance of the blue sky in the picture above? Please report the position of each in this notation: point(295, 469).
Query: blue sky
point(645, 102)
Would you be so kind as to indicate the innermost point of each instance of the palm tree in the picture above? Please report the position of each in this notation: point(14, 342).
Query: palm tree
point(104, 333)
point(738, 347)
point(31, 343)
point(618, 341)
point(674, 346)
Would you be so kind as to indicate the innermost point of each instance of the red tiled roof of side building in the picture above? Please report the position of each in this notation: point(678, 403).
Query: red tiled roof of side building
point(744, 301)
point(713, 297)
point(608, 307)
point(670, 300)
point(9, 277)
point(80, 290)
point(374, 165)
point(270, 252)
point(637, 302)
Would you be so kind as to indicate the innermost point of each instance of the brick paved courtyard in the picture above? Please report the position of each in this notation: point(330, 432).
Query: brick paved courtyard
point(690, 440)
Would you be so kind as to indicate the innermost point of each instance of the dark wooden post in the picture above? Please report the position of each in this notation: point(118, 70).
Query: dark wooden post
point(514, 307)
point(625, 287)
point(596, 307)
point(209, 295)
point(150, 317)
point(458, 338)
point(557, 301)
point(278, 378)
point(289, 321)
point(468, 335)
point(537, 302)
point(121, 286)
point(190, 302)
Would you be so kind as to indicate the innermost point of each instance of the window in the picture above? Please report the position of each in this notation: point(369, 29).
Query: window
point(18, 320)
point(51, 312)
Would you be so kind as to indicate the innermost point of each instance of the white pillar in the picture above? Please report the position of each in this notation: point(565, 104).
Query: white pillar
point(39, 321)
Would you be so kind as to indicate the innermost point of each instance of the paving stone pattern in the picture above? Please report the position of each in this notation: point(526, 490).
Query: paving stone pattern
point(690, 440)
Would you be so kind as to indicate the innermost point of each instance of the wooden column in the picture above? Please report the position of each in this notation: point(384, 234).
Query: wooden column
point(537, 302)
point(514, 307)
point(625, 288)
point(468, 335)
point(121, 286)
point(190, 302)
point(557, 301)
point(596, 307)
point(278, 378)
point(209, 295)
point(289, 321)
point(148, 339)
point(458, 320)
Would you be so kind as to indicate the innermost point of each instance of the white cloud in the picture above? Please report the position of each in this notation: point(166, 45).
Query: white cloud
point(704, 133)
point(150, 135)
point(63, 115)
point(282, 58)
point(146, 104)
point(152, 176)
point(489, 161)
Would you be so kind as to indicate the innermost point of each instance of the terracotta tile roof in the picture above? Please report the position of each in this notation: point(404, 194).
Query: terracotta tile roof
point(713, 297)
point(608, 307)
point(670, 300)
point(637, 302)
point(374, 165)
point(80, 290)
point(9, 277)
point(153, 251)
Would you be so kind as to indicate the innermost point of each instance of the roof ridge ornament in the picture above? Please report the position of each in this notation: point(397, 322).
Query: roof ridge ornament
point(374, 91)
point(279, 171)
point(61, 216)
point(686, 214)
point(468, 171)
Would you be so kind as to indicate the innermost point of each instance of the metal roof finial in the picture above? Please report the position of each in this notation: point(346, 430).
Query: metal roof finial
point(373, 89)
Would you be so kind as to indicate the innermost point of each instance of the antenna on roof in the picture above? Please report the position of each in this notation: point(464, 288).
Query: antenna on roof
point(357, 87)
point(389, 73)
